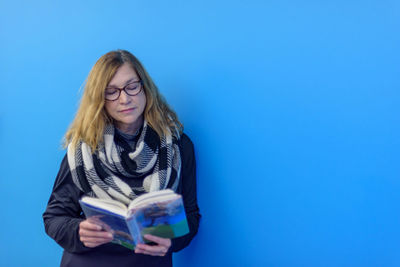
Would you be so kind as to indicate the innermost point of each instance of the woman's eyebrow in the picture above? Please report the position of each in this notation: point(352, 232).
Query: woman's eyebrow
point(127, 82)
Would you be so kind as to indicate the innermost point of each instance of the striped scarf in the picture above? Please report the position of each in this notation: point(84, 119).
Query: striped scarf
point(155, 162)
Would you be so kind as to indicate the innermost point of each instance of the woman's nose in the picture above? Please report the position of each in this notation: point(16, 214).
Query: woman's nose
point(124, 97)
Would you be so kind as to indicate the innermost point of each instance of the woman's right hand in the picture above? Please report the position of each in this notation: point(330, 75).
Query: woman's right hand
point(92, 234)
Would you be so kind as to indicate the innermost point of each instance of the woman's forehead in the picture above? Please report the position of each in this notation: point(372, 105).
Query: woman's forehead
point(124, 74)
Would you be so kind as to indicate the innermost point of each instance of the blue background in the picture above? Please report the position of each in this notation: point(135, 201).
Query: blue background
point(293, 107)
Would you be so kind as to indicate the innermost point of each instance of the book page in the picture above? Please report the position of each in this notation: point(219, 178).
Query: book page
point(106, 204)
point(151, 197)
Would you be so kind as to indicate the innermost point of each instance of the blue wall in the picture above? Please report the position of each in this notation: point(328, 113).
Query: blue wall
point(293, 107)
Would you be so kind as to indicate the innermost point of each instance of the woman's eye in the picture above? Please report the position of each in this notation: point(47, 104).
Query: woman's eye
point(111, 91)
point(132, 87)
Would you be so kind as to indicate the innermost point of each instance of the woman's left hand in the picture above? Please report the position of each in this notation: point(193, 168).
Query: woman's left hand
point(163, 244)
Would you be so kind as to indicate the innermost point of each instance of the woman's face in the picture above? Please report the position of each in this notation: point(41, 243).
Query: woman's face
point(127, 111)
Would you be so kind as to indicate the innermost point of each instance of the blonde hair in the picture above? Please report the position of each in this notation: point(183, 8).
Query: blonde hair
point(91, 117)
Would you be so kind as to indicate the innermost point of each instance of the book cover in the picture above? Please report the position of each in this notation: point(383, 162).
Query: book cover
point(110, 222)
point(165, 219)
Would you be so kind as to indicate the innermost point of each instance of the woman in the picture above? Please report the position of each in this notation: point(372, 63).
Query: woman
point(124, 141)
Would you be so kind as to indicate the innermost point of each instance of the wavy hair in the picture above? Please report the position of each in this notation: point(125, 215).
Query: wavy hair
point(91, 117)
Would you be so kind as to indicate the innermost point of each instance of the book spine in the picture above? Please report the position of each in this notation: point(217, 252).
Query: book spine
point(134, 228)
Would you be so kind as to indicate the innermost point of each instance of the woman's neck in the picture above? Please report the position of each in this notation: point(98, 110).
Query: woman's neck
point(130, 128)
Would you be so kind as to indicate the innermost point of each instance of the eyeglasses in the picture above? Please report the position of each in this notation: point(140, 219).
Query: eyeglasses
point(131, 89)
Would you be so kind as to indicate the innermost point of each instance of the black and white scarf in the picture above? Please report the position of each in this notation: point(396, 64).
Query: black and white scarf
point(155, 162)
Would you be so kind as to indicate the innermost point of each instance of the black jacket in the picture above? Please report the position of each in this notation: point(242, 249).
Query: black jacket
point(63, 215)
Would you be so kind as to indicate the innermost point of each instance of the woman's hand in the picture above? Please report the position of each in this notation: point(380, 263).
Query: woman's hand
point(163, 244)
point(92, 234)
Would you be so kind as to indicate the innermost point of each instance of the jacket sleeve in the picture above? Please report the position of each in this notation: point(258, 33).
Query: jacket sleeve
point(189, 194)
point(63, 213)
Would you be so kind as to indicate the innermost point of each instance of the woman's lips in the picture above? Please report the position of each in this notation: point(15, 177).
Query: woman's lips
point(127, 110)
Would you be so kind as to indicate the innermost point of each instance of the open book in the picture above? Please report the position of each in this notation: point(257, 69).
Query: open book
point(160, 213)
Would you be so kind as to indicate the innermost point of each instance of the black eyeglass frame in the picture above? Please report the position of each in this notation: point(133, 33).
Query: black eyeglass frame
point(124, 89)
